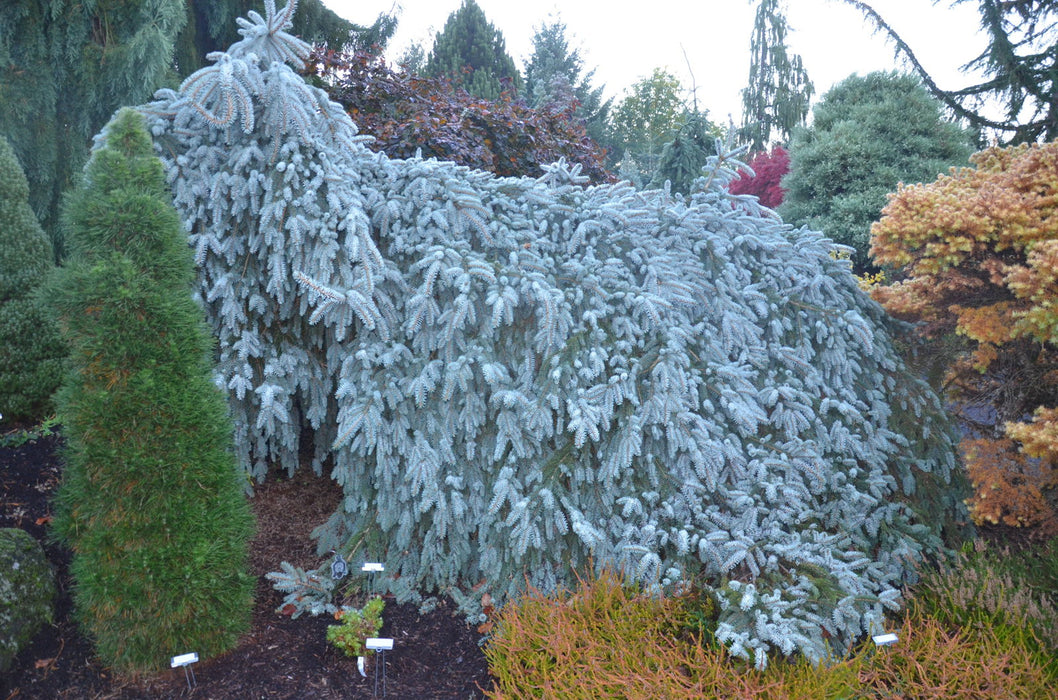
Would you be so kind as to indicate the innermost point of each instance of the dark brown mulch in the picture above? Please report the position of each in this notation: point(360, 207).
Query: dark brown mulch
point(436, 655)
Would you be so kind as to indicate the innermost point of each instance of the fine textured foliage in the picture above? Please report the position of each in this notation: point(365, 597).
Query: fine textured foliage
point(978, 252)
point(982, 590)
point(513, 376)
point(606, 640)
point(409, 114)
point(30, 345)
point(763, 180)
point(152, 501)
point(868, 134)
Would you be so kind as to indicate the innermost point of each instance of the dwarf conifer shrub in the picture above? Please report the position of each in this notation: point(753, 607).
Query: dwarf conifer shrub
point(30, 346)
point(152, 501)
point(513, 376)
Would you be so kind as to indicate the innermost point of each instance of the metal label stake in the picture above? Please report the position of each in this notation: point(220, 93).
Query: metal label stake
point(379, 645)
point(185, 660)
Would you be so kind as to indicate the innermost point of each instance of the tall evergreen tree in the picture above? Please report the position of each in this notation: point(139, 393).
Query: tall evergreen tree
point(514, 377)
point(868, 134)
point(65, 66)
point(152, 502)
point(1020, 64)
point(30, 347)
point(472, 53)
point(778, 93)
point(553, 74)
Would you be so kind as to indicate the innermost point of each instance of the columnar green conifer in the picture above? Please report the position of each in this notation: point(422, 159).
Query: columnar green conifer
point(152, 502)
point(471, 51)
point(31, 350)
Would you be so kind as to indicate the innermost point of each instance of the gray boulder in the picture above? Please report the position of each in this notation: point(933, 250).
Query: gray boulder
point(27, 589)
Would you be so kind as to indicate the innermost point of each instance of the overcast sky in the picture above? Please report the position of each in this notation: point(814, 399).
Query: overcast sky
point(624, 41)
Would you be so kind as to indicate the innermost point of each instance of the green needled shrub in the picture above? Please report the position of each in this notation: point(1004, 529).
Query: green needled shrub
point(30, 344)
point(356, 627)
point(152, 502)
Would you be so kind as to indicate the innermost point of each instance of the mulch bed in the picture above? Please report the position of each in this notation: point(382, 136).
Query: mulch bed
point(436, 655)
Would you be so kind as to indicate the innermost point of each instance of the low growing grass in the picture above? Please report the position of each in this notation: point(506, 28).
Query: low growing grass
point(608, 640)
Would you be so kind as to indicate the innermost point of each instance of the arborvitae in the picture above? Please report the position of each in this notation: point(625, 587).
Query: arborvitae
point(515, 377)
point(30, 345)
point(152, 502)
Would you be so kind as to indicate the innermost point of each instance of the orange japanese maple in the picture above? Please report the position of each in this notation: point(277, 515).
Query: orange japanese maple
point(977, 258)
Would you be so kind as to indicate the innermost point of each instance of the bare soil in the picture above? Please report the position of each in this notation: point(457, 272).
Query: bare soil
point(436, 655)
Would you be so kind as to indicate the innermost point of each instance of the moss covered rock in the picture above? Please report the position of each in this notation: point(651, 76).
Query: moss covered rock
point(27, 588)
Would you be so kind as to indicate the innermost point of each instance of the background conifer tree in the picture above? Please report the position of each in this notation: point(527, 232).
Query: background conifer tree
point(472, 53)
point(683, 158)
point(514, 377)
point(211, 27)
point(868, 134)
point(64, 68)
point(30, 345)
point(554, 74)
point(1019, 65)
point(777, 96)
point(152, 501)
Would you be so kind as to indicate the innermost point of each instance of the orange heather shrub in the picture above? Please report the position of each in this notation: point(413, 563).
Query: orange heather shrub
point(607, 640)
point(976, 259)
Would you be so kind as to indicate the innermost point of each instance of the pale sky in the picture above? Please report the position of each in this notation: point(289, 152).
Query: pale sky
point(624, 41)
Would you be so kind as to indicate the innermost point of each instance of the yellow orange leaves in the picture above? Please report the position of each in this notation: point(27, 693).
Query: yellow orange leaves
point(986, 324)
point(1007, 485)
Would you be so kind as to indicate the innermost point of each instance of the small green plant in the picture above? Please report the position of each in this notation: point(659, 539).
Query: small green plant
point(22, 436)
point(356, 626)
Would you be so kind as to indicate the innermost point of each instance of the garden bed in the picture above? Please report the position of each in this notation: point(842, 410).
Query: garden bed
point(435, 655)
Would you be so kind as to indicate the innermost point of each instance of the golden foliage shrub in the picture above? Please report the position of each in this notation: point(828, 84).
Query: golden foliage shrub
point(974, 257)
point(1008, 486)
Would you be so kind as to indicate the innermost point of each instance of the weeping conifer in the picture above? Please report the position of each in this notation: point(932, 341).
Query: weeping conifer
point(514, 376)
point(152, 502)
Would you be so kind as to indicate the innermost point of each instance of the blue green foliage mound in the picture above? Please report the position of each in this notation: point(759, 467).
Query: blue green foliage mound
point(512, 378)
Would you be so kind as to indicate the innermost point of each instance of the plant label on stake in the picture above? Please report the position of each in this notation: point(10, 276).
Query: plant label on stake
point(883, 640)
point(371, 568)
point(185, 661)
point(380, 645)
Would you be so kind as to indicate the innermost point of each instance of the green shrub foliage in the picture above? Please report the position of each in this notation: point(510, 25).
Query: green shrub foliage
point(152, 500)
point(30, 344)
point(516, 376)
point(868, 134)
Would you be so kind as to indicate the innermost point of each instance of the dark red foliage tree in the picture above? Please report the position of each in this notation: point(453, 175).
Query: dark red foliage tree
point(406, 112)
point(765, 183)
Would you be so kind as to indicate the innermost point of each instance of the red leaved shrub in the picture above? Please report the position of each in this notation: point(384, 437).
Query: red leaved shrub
point(407, 112)
point(766, 183)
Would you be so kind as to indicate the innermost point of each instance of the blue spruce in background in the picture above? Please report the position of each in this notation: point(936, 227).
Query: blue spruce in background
point(517, 377)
